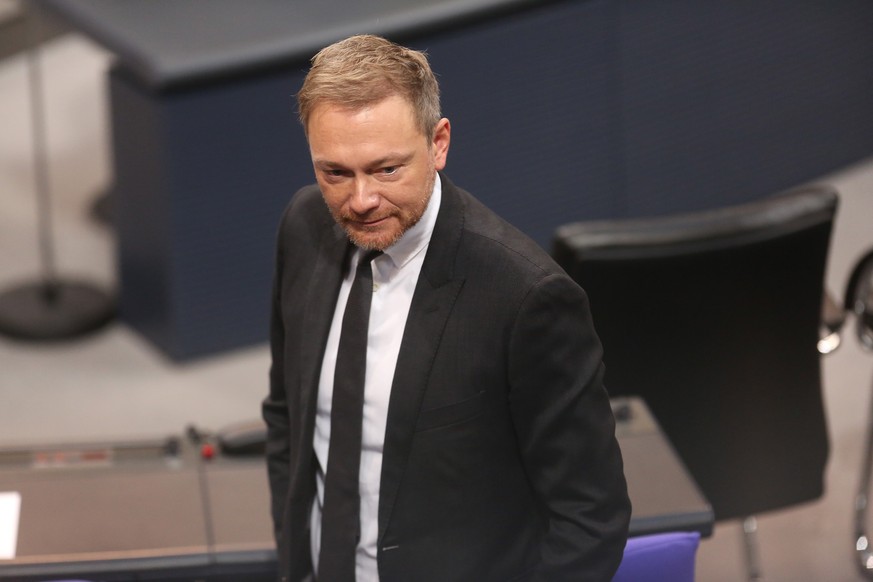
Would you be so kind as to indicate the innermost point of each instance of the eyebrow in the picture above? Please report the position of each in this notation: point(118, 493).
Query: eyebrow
point(392, 159)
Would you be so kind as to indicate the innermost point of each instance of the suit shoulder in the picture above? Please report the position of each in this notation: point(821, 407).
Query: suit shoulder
point(305, 214)
point(492, 238)
point(306, 204)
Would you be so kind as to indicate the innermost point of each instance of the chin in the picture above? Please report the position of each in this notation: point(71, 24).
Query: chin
point(371, 241)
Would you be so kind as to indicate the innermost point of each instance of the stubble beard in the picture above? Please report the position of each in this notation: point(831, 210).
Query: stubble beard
point(407, 220)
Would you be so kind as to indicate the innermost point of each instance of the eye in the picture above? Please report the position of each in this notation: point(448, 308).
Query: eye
point(334, 173)
point(390, 170)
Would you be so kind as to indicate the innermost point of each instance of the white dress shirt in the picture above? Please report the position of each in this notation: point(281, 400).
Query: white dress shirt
point(395, 274)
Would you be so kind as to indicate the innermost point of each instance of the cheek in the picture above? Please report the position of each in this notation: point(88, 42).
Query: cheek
point(331, 195)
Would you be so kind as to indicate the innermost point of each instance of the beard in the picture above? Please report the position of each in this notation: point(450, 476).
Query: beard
point(379, 238)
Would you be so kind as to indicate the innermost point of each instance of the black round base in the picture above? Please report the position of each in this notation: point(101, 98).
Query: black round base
point(44, 311)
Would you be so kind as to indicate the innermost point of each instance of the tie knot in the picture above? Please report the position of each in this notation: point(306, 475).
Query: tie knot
point(368, 257)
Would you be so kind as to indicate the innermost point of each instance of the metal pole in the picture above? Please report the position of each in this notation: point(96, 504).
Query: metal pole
point(752, 551)
point(40, 157)
point(49, 308)
point(862, 499)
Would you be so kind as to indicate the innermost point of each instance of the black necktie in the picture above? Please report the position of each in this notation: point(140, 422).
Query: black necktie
point(340, 520)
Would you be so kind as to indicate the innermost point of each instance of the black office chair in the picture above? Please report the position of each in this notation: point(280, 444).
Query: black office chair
point(859, 302)
point(714, 318)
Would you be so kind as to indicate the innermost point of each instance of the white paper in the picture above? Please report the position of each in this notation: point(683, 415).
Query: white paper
point(10, 509)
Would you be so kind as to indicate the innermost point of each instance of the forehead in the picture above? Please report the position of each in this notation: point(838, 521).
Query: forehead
point(336, 130)
point(393, 108)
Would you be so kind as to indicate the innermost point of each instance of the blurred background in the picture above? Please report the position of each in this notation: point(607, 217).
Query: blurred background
point(780, 93)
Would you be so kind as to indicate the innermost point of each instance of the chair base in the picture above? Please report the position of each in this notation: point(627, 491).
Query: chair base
point(49, 311)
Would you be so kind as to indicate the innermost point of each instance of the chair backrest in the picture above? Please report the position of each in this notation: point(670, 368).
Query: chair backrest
point(666, 557)
point(713, 318)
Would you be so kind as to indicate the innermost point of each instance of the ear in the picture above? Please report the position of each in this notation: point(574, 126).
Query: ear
point(442, 135)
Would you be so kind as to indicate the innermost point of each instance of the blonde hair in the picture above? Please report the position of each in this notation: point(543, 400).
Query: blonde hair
point(365, 69)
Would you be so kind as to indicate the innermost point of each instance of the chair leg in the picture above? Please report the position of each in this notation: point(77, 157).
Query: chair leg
point(862, 541)
point(752, 551)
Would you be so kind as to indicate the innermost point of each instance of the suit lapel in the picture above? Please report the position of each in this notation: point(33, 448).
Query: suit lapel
point(435, 295)
point(319, 306)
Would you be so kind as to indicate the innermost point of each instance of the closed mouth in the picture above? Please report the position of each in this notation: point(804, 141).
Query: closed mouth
point(369, 223)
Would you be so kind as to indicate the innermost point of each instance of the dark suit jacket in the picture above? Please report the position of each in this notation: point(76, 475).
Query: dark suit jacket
point(500, 460)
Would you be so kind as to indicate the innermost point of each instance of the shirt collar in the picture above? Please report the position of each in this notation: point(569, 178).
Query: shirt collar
point(416, 239)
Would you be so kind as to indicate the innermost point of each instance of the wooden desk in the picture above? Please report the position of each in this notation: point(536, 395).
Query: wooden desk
point(177, 516)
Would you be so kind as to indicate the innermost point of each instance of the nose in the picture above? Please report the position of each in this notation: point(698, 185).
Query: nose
point(365, 196)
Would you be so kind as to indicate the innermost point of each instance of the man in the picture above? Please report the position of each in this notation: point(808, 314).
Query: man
point(484, 448)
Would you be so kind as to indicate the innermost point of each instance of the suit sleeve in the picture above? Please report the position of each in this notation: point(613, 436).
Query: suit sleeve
point(274, 407)
point(566, 433)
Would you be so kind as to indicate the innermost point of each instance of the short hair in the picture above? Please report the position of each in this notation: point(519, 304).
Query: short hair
point(365, 69)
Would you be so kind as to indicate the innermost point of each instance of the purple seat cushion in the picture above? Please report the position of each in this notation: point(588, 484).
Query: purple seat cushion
point(667, 557)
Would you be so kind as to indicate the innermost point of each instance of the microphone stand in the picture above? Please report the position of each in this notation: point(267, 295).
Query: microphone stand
point(51, 308)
